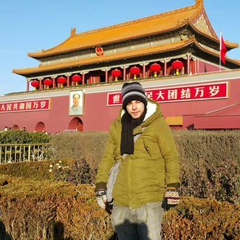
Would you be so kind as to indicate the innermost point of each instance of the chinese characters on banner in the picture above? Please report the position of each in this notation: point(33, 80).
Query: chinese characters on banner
point(36, 105)
point(184, 93)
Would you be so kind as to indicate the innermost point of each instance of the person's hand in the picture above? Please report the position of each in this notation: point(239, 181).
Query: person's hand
point(171, 198)
point(101, 197)
point(109, 207)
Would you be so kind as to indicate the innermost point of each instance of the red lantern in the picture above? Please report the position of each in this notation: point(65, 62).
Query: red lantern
point(48, 82)
point(177, 65)
point(35, 84)
point(116, 74)
point(62, 80)
point(76, 79)
point(135, 71)
point(155, 68)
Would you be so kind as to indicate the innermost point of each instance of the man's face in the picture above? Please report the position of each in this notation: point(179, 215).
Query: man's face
point(135, 109)
point(76, 99)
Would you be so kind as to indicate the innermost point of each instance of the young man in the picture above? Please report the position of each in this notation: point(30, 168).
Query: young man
point(149, 170)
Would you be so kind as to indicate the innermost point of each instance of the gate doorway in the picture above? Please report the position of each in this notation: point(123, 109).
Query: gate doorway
point(76, 125)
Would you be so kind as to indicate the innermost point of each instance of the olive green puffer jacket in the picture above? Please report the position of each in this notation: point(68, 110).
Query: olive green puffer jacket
point(143, 176)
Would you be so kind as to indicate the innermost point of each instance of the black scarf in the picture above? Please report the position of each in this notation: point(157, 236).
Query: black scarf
point(127, 139)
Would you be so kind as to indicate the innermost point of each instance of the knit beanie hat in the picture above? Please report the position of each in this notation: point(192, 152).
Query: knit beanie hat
point(131, 92)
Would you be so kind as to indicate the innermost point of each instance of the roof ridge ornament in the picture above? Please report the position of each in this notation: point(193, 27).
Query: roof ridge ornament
point(73, 32)
point(199, 2)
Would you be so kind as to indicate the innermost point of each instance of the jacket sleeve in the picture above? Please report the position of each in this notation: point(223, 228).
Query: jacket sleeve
point(170, 154)
point(107, 161)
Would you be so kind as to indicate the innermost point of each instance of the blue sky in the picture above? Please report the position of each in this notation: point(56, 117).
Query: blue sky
point(28, 26)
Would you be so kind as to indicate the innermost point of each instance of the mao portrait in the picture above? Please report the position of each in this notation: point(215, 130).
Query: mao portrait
point(76, 103)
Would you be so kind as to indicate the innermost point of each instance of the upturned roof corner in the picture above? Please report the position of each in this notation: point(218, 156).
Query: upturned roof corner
point(199, 2)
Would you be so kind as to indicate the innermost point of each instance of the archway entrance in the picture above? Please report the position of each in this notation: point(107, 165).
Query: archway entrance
point(15, 127)
point(40, 127)
point(76, 124)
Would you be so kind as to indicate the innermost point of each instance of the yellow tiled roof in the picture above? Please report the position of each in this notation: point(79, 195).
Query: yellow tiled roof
point(144, 27)
point(105, 58)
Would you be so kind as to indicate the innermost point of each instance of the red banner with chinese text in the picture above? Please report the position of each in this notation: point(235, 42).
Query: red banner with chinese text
point(183, 93)
point(20, 106)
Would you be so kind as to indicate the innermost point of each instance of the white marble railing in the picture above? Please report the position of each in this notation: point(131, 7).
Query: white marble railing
point(12, 153)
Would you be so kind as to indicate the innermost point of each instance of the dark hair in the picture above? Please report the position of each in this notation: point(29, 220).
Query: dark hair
point(76, 94)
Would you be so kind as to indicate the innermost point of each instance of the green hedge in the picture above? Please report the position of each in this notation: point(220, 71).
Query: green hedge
point(55, 199)
point(44, 210)
point(209, 162)
point(23, 137)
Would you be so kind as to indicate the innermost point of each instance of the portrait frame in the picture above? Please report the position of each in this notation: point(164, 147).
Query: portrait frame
point(76, 103)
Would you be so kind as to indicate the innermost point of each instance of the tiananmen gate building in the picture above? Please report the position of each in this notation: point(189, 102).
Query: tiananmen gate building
point(176, 56)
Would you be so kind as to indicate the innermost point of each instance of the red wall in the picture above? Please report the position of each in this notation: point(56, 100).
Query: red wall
point(98, 116)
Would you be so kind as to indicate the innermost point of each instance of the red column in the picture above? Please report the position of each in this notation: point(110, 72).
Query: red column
point(165, 68)
point(144, 70)
point(68, 80)
point(28, 83)
point(40, 84)
point(83, 78)
point(124, 73)
point(106, 75)
point(54, 83)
